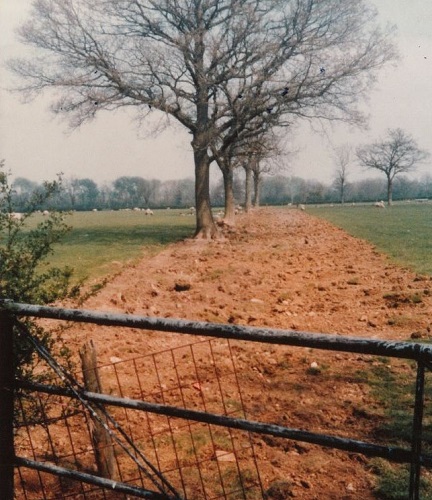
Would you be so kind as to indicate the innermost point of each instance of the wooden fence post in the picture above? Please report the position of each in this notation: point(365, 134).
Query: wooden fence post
point(7, 377)
point(102, 442)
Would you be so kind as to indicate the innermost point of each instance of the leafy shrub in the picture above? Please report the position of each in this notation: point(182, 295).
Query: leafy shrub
point(26, 241)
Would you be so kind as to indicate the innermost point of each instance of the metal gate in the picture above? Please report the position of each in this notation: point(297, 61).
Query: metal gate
point(201, 421)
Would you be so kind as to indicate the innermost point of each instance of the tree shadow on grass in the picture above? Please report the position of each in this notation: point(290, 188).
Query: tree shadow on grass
point(143, 235)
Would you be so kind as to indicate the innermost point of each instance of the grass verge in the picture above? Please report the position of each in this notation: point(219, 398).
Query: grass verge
point(392, 383)
point(402, 231)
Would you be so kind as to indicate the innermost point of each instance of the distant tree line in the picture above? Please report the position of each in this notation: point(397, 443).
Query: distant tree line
point(134, 191)
point(124, 192)
point(281, 190)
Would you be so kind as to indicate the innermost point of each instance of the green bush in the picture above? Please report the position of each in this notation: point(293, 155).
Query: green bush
point(25, 272)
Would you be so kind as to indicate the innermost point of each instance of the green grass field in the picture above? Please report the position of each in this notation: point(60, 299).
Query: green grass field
point(403, 231)
point(100, 242)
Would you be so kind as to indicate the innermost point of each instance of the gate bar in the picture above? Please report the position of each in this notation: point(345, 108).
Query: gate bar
point(416, 446)
point(395, 349)
point(7, 377)
point(393, 454)
point(90, 479)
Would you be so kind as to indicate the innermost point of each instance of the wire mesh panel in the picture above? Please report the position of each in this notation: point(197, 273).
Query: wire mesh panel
point(61, 435)
point(199, 460)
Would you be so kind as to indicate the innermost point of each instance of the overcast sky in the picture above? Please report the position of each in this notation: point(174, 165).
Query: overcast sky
point(37, 146)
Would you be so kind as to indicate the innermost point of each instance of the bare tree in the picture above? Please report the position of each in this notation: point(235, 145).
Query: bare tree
point(248, 186)
point(394, 155)
point(254, 143)
point(268, 156)
point(342, 157)
point(305, 58)
point(228, 162)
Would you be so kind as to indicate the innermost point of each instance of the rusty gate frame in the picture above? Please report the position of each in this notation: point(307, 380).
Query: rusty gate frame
point(9, 311)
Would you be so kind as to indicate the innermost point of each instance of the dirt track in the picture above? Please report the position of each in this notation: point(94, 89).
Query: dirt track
point(281, 269)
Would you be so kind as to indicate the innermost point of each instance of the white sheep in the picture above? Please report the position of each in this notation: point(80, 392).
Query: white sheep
point(379, 204)
point(302, 207)
point(45, 213)
point(148, 211)
point(16, 215)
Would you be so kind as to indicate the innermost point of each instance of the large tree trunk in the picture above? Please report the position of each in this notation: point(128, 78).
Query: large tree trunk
point(228, 179)
point(257, 189)
point(205, 226)
point(248, 189)
point(390, 192)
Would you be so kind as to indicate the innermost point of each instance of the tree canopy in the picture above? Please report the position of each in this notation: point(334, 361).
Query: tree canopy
point(216, 66)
